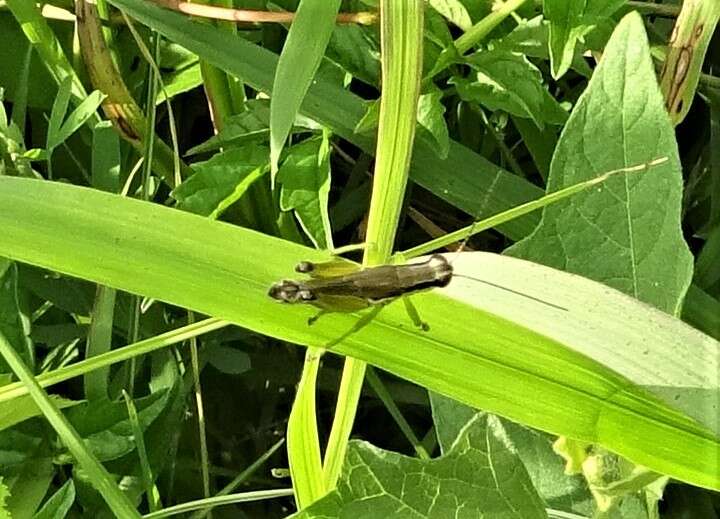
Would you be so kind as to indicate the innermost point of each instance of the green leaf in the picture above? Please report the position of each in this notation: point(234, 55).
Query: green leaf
point(102, 481)
point(568, 359)
point(13, 324)
point(618, 234)
point(106, 157)
point(303, 443)
point(22, 408)
point(356, 50)
point(430, 117)
point(59, 503)
point(560, 491)
point(508, 81)
point(454, 11)
point(225, 359)
point(569, 21)
point(530, 38)
point(57, 115)
point(303, 50)
point(481, 475)
point(305, 180)
point(70, 295)
point(237, 130)
point(105, 425)
point(222, 180)
point(29, 484)
point(77, 118)
point(179, 81)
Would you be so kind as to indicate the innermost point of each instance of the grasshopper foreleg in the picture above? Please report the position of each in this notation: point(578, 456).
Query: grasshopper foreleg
point(311, 320)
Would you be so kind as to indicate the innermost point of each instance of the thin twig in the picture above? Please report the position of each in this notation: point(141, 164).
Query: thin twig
point(254, 16)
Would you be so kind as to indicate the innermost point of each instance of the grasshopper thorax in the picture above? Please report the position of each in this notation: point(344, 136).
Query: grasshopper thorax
point(288, 291)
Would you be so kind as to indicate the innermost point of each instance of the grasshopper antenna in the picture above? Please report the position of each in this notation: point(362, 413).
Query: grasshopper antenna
point(460, 249)
point(527, 296)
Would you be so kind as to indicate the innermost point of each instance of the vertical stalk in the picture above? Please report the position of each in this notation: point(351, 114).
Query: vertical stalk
point(401, 40)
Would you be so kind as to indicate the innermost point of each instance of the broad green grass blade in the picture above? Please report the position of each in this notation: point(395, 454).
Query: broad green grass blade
point(101, 478)
point(473, 352)
point(401, 37)
point(300, 58)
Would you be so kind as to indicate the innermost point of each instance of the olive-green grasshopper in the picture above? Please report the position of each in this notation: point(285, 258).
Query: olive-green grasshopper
point(339, 286)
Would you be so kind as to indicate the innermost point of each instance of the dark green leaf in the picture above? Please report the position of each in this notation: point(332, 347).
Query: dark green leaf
point(13, 324)
point(569, 21)
point(508, 81)
point(106, 158)
point(105, 425)
point(480, 476)
point(228, 360)
point(305, 180)
point(357, 51)
point(238, 129)
point(222, 180)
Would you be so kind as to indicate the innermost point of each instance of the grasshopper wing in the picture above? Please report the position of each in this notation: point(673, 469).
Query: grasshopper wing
point(340, 303)
point(327, 269)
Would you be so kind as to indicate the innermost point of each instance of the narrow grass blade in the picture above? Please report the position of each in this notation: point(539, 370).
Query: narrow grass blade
point(303, 443)
point(300, 58)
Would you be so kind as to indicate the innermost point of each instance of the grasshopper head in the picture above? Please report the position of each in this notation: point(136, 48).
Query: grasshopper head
point(442, 268)
point(288, 291)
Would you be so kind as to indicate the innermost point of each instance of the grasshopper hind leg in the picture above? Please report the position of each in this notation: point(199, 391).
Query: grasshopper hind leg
point(415, 315)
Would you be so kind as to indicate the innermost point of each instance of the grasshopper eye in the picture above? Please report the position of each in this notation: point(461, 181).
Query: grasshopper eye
point(285, 291)
point(306, 295)
point(304, 267)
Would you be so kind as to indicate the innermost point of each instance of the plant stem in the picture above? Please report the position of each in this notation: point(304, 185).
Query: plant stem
point(401, 41)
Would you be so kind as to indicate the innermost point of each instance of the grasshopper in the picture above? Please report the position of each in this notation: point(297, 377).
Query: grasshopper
point(358, 289)
point(374, 286)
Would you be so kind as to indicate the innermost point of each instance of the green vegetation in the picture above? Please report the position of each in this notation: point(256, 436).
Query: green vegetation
point(160, 171)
